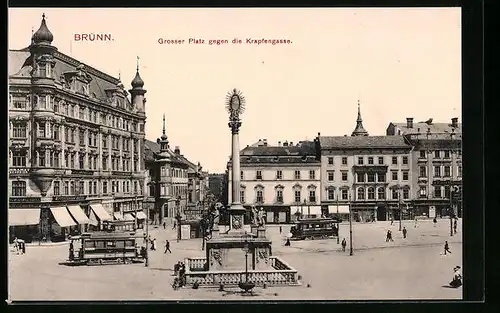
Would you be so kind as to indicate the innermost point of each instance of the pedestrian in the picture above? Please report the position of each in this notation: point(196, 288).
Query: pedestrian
point(281, 229)
point(416, 222)
point(164, 225)
point(176, 268)
point(153, 244)
point(145, 238)
point(457, 278)
point(434, 221)
point(404, 232)
point(16, 243)
point(167, 247)
point(344, 244)
point(182, 272)
point(388, 236)
point(446, 248)
point(175, 224)
point(455, 224)
point(71, 251)
point(392, 220)
point(287, 243)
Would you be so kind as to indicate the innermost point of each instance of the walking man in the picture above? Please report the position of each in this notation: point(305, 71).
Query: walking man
point(281, 229)
point(392, 220)
point(416, 222)
point(175, 224)
point(455, 224)
point(164, 225)
point(434, 221)
point(167, 247)
point(344, 243)
point(404, 232)
point(446, 248)
point(153, 244)
point(388, 236)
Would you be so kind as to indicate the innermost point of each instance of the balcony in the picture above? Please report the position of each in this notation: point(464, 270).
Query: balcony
point(83, 172)
point(279, 200)
point(69, 198)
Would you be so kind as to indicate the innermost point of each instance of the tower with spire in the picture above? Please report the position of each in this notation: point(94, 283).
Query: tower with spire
point(137, 92)
point(42, 53)
point(359, 130)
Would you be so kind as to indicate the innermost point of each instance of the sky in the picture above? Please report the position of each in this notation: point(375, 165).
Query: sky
point(398, 62)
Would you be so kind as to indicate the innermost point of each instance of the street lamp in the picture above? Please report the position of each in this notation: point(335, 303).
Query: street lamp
point(350, 225)
point(178, 217)
point(146, 264)
point(399, 207)
point(338, 219)
point(246, 285)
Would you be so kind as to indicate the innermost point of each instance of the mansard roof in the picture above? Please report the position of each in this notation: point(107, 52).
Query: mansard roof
point(360, 142)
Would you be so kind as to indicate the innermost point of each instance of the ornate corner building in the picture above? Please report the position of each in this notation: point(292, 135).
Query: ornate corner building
point(75, 137)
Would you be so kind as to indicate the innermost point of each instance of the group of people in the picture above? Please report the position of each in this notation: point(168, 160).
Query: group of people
point(19, 245)
point(179, 272)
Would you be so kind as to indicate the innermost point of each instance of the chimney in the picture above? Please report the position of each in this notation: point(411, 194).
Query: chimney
point(409, 122)
point(177, 150)
point(454, 122)
point(260, 143)
point(279, 143)
point(265, 142)
point(291, 144)
point(285, 143)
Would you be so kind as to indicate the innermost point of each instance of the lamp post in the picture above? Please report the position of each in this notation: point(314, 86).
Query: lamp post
point(178, 217)
point(338, 219)
point(135, 212)
point(146, 264)
point(451, 208)
point(399, 207)
point(350, 226)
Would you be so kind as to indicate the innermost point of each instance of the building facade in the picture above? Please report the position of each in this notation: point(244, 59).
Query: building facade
point(75, 140)
point(436, 165)
point(281, 179)
point(372, 174)
point(216, 186)
point(175, 185)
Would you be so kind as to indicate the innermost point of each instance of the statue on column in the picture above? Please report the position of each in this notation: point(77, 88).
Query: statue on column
point(255, 216)
point(261, 217)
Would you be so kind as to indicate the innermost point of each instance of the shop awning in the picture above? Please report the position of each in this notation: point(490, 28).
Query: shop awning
point(100, 212)
point(312, 210)
point(118, 216)
point(62, 217)
point(23, 217)
point(78, 214)
point(128, 217)
point(141, 215)
point(342, 209)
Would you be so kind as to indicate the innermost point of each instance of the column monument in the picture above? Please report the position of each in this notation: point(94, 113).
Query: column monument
point(235, 104)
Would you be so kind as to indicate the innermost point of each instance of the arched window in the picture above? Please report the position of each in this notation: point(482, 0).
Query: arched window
point(381, 193)
point(361, 193)
point(371, 193)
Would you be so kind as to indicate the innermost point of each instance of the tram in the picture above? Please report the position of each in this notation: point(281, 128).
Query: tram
point(314, 228)
point(105, 247)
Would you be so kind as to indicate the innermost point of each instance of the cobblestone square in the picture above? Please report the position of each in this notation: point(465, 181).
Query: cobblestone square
point(411, 268)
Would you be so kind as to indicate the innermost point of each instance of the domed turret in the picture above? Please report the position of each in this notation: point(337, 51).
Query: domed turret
point(137, 82)
point(43, 34)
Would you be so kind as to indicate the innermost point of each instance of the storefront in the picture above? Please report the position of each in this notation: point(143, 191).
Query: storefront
point(24, 224)
point(339, 210)
point(98, 214)
point(61, 224)
point(79, 216)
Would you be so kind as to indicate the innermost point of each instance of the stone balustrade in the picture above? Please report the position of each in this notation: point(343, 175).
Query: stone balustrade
point(280, 274)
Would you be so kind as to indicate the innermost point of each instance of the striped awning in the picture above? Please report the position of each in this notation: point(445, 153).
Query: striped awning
point(78, 214)
point(118, 216)
point(100, 212)
point(62, 217)
point(312, 210)
point(23, 217)
point(128, 217)
point(141, 215)
point(341, 209)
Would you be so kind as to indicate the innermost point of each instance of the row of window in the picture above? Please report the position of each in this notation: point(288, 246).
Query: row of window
point(259, 196)
point(370, 193)
point(19, 130)
point(72, 187)
point(438, 155)
point(279, 175)
point(439, 192)
point(170, 190)
point(371, 160)
point(73, 110)
point(55, 159)
point(440, 171)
